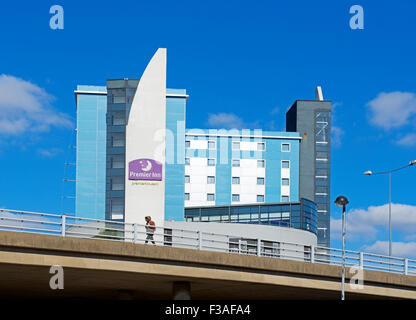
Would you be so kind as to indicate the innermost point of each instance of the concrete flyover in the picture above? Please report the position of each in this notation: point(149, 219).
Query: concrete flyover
point(103, 269)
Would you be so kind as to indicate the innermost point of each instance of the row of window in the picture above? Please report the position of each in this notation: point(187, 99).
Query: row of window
point(118, 140)
point(261, 146)
point(117, 182)
point(117, 161)
point(236, 163)
point(236, 180)
point(235, 197)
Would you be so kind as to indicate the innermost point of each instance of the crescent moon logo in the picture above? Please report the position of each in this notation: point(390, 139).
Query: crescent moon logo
point(148, 167)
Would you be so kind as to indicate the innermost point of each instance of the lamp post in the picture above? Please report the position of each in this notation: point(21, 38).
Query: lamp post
point(342, 202)
point(370, 173)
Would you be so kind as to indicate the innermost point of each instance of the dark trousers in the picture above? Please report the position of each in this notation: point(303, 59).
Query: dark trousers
point(149, 237)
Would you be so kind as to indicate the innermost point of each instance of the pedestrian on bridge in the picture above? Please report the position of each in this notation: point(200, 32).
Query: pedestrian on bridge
point(150, 229)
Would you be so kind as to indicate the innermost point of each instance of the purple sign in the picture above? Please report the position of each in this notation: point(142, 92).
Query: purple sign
point(145, 169)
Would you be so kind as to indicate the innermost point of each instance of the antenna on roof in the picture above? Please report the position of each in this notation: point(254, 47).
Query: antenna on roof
point(318, 94)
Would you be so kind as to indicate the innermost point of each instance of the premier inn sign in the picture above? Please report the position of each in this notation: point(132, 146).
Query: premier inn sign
point(145, 169)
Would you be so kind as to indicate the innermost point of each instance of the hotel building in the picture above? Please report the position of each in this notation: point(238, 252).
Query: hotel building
point(136, 157)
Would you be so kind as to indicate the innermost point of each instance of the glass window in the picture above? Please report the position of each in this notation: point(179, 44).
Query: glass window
point(260, 163)
point(322, 165)
point(322, 182)
point(117, 140)
point(321, 172)
point(322, 206)
point(322, 147)
point(322, 116)
point(260, 198)
point(210, 197)
point(235, 197)
point(236, 145)
point(210, 179)
point(260, 181)
point(120, 99)
point(236, 180)
point(117, 206)
point(244, 217)
point(322, 155)
point(322, 189)
point(254, 216)
point(264, 212)
point(233, 218)
point(261, 146)
point(236, 162)
point(187, 144)
point(321, 199)
point(187, 179)
point(285, 164)
point(285, 147)
point(117, 161)
point(322, 127)
point(117, 183)
point(211, 162)
point(285, 198)
point(275, 215)
point(285, 181)
point(225, 218)
point(119, 118)
point(211, 144)
point(115, 84)
point(187, 197)
point(187, 161)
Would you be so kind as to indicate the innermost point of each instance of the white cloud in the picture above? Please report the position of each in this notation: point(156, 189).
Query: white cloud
point(336, 135)
point(49, 153)
point(393, 109)
point(25, 107)
point(364, 225)
point(275, 110)
point(399, 249)
point(335, 105)
point(408, 140)
point(225, 121)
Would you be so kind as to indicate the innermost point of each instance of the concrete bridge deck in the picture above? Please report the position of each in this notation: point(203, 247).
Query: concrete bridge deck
point(102, 269)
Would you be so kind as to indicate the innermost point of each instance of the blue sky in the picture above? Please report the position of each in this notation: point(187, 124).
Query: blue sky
point(242, 62)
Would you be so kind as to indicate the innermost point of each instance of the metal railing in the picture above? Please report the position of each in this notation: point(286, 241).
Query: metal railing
point(70, 226)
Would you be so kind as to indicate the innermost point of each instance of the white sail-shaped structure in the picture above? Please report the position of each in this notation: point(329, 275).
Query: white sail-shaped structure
point(145, 146)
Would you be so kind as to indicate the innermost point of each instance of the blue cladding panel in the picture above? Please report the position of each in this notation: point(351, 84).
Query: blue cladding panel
point(294, 171)
point(223, 172)
point(175, 158)
point(273, 157)
point(91, 154)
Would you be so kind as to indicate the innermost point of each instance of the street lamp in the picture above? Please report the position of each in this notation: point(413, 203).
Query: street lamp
point(342, 202)
point(369, 173)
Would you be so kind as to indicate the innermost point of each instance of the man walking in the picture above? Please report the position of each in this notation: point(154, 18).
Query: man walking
point(150, 229)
